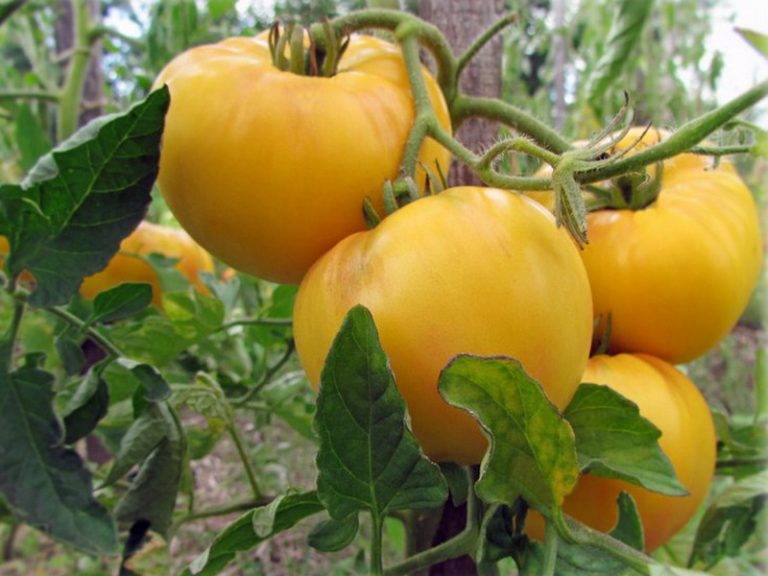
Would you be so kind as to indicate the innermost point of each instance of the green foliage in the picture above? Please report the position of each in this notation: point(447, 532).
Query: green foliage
point(381, 468)
point(532, 451)
point(614, 441)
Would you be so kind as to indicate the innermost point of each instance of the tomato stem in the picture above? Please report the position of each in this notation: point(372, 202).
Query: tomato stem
point(684, 138)
point(461, 544)
point(550, 549)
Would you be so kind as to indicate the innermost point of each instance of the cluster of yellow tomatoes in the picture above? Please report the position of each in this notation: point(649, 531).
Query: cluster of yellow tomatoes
point(268, 171)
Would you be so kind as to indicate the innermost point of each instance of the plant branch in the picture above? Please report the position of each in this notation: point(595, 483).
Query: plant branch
point(461, 544)
point(93, 334)
point(267, 377)
point(255, 322)
point(492, 109)
point(683, 139)
point(237, 439)
point(482, 40)
point(6, 95)
point(550, 550)
point(71, 94)
point(221, 511)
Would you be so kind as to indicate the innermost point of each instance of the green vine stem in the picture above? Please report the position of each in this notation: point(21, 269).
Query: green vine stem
point(267, 376)
point(577, 533)
point(681, 140)
point(377, 559)
point(459, 545)
point(103, 342)
point(237, 439)
point(71, 93)
point(6, 95)
point(550, 549)
point(220, 511)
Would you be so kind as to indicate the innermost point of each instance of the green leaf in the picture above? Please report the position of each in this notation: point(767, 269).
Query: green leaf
point(45, 484)
point(67, 218)
point(31, 139)
point(68, 345)
point(532, 451)
point(121, 302)
point(141, 439)
point(730, 520)
point(154, 386)
point(367, 459)
point(623, 37)
point(152, 495)
point(458, 482)
point(88, 405)
point(333, 535)
point(579, 560)
point(281, 514)
point(614, 441)
point(629, 527)
point(190, 317)
point(757, 40)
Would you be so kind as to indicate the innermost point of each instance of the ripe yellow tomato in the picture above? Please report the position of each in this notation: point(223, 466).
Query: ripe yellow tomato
point(268, 169)
point(470, 270)
point(127, 266)
point(676, 275)
point(669, 399)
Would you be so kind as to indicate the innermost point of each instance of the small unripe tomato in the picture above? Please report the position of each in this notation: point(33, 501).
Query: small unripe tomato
point(470, 270)
point(669, 399)
point(148, 238)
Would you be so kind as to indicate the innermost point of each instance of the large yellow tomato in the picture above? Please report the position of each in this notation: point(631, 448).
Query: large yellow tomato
point(268, 169)
point(473, 270)
point(676, 275)
point(666, 397)
point(127, 266)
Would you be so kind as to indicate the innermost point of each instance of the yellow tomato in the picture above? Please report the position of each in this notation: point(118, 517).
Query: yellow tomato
point(675, 276)
point(669, 399)
point(127, 266)
point(470, 270)
point(268, 169)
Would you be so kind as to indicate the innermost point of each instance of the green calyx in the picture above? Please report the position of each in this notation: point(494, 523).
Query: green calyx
point(320, 57)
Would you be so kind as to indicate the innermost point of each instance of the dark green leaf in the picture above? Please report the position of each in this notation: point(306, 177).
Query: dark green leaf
point(757, 40)
point(280, 515)
point(31, 139)
point(70, 352)
point(367, 459)
point(170, 278)
point(458, 482)
point(730, 520)
point(614, 441)
point(190, 317)
point(629, 527)
point(333, 535)
point(45, 484)
point(141, 439)
point(626, 31)
point(68, 216)
point(121, 302)
point(88, 405)
point(154, 386)
point(152, 495)
point(532, 451)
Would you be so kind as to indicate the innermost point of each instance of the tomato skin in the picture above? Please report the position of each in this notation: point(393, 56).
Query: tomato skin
point(268, 169)
point(470, 270)
point(126, 266)
point(676, 275)
point(669, 399)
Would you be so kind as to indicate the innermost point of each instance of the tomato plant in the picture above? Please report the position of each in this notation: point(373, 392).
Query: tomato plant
point(130, 265)
point(513, 285)
point(275, 173)
point(436, 386)
point(667, 398)
point(676, 274)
